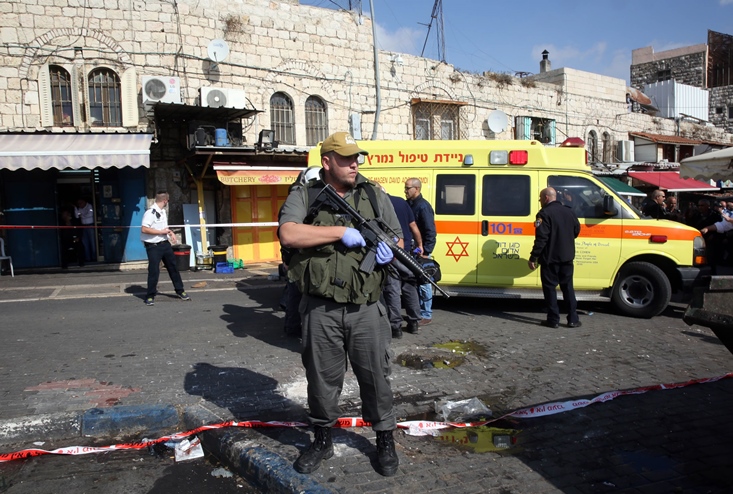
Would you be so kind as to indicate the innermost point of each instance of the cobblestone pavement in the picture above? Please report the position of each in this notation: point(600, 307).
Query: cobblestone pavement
point(76, 341)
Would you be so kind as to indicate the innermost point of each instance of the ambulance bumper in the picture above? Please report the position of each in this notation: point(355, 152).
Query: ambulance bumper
point(691, 277)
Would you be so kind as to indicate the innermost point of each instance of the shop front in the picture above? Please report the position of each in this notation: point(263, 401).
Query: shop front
point(257, 193)
point(45, 176)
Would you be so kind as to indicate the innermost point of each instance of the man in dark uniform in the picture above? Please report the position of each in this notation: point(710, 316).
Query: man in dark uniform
point(399, 293)
point(556, 228)
point(656, 208)
point(425, 220)
point(341, 314)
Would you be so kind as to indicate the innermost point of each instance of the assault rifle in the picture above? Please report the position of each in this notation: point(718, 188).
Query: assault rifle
point(374, 233)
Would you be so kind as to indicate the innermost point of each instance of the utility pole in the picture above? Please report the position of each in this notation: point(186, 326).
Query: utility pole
point(376, 74)
point(436, 16)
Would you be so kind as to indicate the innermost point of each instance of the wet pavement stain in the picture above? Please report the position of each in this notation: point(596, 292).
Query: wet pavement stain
point(465, 347)
point(76, 394)
point(442, 355)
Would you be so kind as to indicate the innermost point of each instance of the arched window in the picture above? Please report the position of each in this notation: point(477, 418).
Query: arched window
point(316, 121)
point(607, 148)
point(61, 100)
point(281, 118)
point(592, 147)
point(105, 107)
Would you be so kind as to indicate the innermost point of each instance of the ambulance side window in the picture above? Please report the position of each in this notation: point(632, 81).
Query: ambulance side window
point(580, 194)
point(505, 195)
point(455, 194)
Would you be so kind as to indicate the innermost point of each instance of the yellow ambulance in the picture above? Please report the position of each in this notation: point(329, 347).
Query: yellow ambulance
point(486, 194)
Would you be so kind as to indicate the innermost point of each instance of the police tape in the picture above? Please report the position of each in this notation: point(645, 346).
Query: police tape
point(414, 427)
point(120, 227)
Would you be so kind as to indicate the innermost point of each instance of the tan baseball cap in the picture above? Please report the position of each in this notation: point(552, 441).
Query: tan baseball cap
point(341, 143)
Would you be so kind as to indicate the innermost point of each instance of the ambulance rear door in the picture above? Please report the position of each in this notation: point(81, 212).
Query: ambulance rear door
point(458, 248)
point(508, 203)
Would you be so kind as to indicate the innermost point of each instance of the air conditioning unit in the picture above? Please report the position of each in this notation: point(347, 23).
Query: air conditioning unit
point(157, 89)
point(219, 97)
point(625, 151)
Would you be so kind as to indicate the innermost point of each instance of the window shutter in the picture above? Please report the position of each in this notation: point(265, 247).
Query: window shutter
point(45, 99)
point(551, 131)
point(522, 130)
point(128, 92)
point(77, 98)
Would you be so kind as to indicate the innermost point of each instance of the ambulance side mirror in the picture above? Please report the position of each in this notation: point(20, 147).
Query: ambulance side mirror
point(609, 208)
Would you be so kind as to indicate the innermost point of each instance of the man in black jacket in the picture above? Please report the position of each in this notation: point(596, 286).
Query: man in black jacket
point(655, 208)
point(556, 228)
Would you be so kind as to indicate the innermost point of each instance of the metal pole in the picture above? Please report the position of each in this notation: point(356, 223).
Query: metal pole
point(376, 73)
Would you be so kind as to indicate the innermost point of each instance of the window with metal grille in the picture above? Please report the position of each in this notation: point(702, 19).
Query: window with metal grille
point(281, 118)
point(105, 106)
point(422, 124)
point(316, 121)
point(439, 120)
point(61, 97)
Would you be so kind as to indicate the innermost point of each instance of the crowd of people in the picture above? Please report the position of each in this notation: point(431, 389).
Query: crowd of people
point(714, 219)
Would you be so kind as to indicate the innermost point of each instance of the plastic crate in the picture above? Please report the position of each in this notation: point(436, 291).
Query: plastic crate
point(224, 268)
point(235, 263)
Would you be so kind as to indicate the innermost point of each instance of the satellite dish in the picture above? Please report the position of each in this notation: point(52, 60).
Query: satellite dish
point(218, 50)
point(497, 121)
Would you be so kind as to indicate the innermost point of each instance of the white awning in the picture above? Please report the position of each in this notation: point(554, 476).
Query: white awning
point(74, 151)
point(715, 165)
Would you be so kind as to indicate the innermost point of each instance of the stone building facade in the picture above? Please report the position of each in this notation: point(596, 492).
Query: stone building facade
point(707, 66)
point(687, 65)
point(303, 71)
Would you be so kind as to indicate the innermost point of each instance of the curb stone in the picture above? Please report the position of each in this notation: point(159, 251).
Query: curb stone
point(241, 453)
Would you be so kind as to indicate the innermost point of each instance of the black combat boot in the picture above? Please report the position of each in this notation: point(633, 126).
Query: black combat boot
point(320, 449)
point(396, 333)
point(386, 454)
point(412, 327)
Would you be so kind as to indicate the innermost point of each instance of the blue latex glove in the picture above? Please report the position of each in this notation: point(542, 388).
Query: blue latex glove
point(417, 251)
point(384, 254)
point(352, 238)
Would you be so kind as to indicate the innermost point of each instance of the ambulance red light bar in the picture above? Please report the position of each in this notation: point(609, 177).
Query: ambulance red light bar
point(518, 157)
point(573, 142)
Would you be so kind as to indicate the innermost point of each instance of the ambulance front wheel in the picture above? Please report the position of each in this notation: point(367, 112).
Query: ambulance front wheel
point(641, 290)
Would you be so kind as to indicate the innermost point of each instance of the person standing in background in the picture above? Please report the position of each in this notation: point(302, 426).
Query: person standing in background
point(71, 246)
point(84, 213)
point(672, 211)
point(398, 292)
point(655, 208)
point(425, 220)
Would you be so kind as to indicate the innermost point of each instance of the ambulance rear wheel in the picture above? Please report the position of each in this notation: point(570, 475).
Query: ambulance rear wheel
point(641, 290)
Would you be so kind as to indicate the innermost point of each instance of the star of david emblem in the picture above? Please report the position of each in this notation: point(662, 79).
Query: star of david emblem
point(454, 245)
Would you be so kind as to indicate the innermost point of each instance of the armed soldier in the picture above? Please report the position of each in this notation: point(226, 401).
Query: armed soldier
point(341, 314)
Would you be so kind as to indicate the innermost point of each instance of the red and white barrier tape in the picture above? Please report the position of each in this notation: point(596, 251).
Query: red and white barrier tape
point(415, 427)
point(120, 227)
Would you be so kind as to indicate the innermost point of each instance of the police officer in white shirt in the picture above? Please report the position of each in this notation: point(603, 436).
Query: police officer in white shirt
point(157, 238)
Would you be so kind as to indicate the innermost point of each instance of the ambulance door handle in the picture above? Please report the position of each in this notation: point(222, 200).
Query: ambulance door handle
point(485, 228)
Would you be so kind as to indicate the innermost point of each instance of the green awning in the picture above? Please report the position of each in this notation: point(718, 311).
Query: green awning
point(621, 188)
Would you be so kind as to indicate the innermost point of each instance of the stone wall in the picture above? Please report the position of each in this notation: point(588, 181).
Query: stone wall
point(284, 46)
point(721, 97)
point(685, 65)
